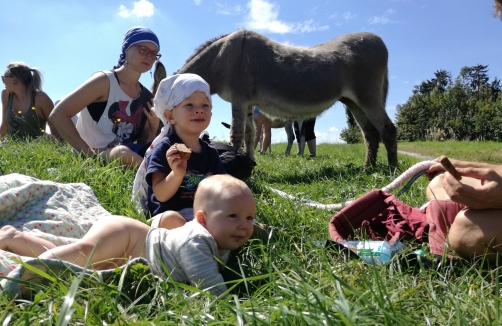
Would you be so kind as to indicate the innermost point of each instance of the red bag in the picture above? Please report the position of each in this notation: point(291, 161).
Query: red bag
point(381, 216)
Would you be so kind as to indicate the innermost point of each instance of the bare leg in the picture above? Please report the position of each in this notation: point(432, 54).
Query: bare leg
point(21, 243)
point(477, 232)
point(116, 239)
point(258, 121)
point(267, 134)
point(124, 153)
point(312, 147)
point(171, 220)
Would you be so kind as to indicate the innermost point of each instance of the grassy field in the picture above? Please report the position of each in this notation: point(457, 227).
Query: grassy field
point(289, 280)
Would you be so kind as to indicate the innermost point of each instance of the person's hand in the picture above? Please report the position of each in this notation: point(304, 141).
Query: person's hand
point(438, 167)
point(153, 120)
point(488, 194)
point(176, 164)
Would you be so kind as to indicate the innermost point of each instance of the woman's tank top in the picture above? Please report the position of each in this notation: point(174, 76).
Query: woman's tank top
point(121, 122)
point(24, 125)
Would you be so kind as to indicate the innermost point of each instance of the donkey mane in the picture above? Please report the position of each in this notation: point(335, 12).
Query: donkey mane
point(201, 48)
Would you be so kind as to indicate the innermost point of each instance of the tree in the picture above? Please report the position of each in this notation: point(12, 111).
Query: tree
point(352, 134)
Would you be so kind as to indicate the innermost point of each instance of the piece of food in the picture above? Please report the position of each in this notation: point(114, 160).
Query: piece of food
point(183, 150)
point(445, 162)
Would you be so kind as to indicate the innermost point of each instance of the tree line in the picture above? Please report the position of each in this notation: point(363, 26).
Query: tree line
point(468, 107)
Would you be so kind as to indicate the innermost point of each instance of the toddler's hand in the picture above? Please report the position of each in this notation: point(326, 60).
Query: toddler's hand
point(176, 164)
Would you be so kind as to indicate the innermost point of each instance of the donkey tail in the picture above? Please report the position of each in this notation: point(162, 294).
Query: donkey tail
point(385, 86)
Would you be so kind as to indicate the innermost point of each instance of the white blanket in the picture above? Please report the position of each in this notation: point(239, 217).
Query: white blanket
point(60, 213)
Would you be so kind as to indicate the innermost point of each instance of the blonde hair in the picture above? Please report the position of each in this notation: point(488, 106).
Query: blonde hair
point(29, 77)
point(212, 190)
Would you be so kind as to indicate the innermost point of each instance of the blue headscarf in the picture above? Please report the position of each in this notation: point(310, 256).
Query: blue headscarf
point(133, 36)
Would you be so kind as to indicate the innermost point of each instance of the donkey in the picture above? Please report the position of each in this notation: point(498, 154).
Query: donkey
point(293, 83)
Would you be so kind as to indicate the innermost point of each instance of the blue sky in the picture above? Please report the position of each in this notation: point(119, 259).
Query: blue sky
point(69, 40)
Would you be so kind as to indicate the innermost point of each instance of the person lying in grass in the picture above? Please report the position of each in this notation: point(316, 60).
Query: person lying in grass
point(475, 230)
point(224, 212)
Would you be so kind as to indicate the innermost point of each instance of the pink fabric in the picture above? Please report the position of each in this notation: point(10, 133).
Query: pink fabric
point(440, 215)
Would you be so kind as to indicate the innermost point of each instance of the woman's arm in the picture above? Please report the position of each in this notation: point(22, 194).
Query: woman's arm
point(4, 128)
point(95, 89)
point(151, 126)
point(44, 107)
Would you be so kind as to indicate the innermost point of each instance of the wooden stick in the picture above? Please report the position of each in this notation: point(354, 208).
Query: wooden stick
point(445, 162)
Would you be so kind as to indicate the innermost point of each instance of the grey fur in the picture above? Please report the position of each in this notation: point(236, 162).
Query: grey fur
point(292, 83)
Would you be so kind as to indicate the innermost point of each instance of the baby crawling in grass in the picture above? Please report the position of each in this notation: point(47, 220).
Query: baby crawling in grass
point(224, 210)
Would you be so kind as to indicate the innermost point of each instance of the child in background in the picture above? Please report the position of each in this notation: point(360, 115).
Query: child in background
point(165, 181)
point(224, 212)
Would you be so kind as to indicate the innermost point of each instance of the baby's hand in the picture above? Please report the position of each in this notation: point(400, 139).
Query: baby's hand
point(175, 162)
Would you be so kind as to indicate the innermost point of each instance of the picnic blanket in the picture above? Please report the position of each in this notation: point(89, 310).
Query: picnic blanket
point(60, 213)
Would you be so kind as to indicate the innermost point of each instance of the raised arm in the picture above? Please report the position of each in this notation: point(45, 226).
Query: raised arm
point(4, 128)
point(94, 89)
point(165, 186)
point(151, 126)
point(45, 105)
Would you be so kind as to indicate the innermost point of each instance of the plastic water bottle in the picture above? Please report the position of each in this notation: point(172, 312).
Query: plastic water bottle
point(373, 252)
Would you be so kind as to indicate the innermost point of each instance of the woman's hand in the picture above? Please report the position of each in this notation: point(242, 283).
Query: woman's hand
point(153, 120)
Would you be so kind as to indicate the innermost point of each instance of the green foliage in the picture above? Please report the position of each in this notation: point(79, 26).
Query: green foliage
point(470, 108)
point(286, 280)
point(352, 134)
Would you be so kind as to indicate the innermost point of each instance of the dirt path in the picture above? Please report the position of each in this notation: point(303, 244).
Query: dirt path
point(424, 158)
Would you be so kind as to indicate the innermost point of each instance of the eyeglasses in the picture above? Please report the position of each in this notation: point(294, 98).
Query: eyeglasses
point(7, 75)
point(146, 51)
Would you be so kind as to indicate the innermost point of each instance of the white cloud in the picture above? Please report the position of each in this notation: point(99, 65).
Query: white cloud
point(347, 15)
point(333, 136)
point(383, 19)
point(223, 9)
point(263, 16)
point(197, 2)
point(141, 8)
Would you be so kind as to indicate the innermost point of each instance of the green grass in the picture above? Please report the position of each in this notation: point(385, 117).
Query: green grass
point(289, 281)
point(490, 152)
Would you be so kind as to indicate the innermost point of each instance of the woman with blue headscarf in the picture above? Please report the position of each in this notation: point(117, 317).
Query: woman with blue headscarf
point(115, 120)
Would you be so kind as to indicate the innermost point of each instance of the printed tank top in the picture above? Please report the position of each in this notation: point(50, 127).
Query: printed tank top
point(121, 122)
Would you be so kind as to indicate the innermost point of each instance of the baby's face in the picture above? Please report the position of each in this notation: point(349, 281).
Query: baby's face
point(231, 221)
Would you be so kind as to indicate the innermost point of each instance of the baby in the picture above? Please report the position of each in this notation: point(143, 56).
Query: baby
point(224, 210)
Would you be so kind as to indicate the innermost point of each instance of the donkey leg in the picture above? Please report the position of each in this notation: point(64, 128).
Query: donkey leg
point(242, 127)
point(370, 133)
point(389, 138)
point(386, 129)
point(250, 134)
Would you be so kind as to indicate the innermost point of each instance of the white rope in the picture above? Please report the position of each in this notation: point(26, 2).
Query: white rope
point(405, 176)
